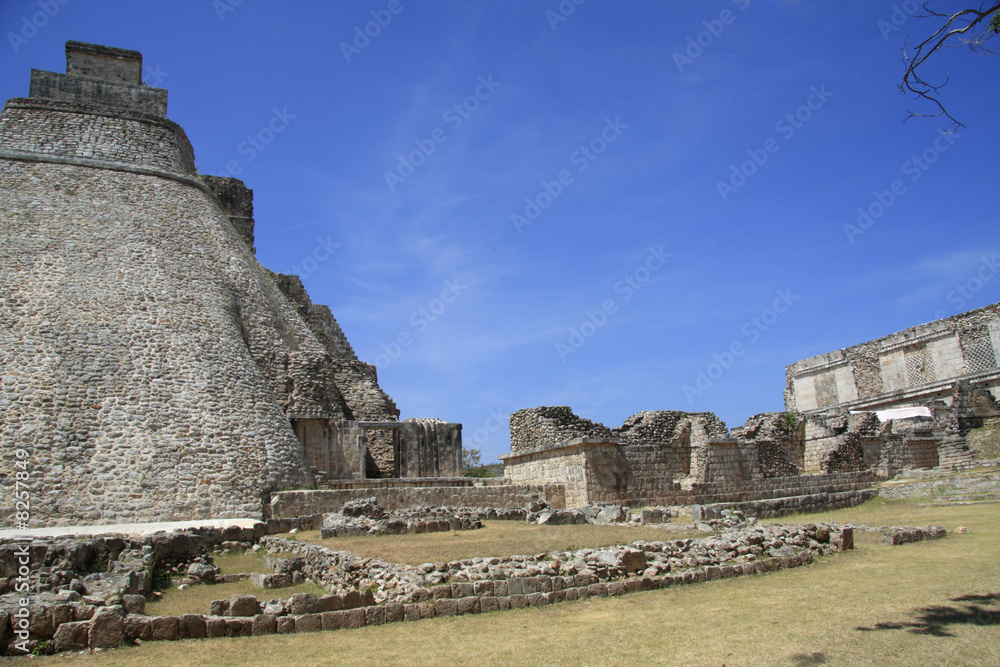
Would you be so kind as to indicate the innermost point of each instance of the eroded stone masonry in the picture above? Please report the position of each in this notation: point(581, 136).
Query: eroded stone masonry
point(901, 402)
point(151, 368)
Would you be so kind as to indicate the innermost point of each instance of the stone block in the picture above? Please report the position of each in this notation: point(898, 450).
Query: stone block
point(503, 603)
point(374, 615)
point(134, 604)
point(355, 618)
point(72, 636)
point(302, 603)
point(215, 626)
point(537, 599)
point(427, 610)
point(446, 607)
point(411, 612)
point(308, 622)
point(462, 589)
point(616, 588)
point(40, 620)
point(529, 585)
point(634, 560)
point(239, 626)
point(191, 626)
point(82, 611)
point(329, 603)
point(515, 586)
point(598, 590)
point(488, 603)
point(570, 594)
point(544, 583)
point(163, 628)
point(264, 624)
point(106, 629)
point(137, 627)
point(61, 613)
point(727, 571)
point(352, 600)
point(518, 601)
point(333, 620)
point(393, 612)
point(500, 588)
point(243, 605)
point(286, 625)
point(468, 605)
point(219, 608)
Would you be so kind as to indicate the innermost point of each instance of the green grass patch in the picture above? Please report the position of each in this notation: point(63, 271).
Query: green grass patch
point(196, 599)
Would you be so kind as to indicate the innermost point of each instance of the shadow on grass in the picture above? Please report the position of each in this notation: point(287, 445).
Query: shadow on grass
point(807, 659)
point(937, 620)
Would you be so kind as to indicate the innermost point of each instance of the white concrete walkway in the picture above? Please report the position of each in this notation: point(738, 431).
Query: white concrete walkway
point(125, 528)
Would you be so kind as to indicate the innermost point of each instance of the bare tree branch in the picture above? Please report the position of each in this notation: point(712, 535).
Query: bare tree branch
point(969, 27)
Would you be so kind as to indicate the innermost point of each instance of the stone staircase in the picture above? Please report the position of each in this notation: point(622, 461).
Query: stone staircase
point(943, 488)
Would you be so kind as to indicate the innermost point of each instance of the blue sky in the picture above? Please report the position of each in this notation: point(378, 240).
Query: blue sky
point(678, 201)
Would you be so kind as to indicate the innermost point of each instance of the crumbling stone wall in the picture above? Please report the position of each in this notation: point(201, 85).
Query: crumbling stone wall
point(237, 202)
point(538, 427)
point(779, 441)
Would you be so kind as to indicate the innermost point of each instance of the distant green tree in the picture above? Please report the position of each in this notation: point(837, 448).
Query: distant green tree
point(472, 464)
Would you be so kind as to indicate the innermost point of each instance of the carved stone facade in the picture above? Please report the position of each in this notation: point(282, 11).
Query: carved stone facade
point(909, 368)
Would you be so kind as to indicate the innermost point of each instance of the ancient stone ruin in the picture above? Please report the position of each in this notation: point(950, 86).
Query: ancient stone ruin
point(901, 402)
point(151, 368)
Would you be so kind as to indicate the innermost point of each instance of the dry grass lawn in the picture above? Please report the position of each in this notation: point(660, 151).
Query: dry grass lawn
point(932, 603)
point(196, 599)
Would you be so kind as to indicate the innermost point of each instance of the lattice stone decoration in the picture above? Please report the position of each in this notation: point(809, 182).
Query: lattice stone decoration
point(826, 390)
point(979, 355)
point(919, 366)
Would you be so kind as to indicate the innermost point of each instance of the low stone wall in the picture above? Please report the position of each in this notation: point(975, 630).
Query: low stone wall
point(394, 497)
point(783, 506)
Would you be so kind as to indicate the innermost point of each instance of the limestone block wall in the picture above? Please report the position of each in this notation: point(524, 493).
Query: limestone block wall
point(45, 127)
point(399, 495)
point(589, 469)
point(907, 368)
